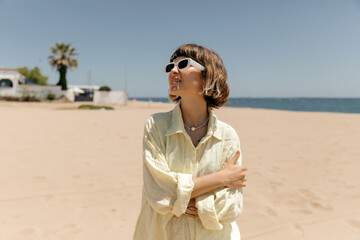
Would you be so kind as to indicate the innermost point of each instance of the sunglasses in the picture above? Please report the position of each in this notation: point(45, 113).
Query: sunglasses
point(182, 64)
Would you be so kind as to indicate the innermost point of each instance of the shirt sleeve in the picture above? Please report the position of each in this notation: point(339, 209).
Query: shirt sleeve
point(224, 205)
point(166, 191)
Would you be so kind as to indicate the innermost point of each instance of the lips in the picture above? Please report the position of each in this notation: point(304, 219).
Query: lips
point(174, 81)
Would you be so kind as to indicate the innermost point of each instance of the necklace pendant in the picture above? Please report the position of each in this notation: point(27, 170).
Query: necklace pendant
point(192, 129)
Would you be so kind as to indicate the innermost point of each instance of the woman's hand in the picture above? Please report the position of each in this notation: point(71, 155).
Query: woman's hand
point(234, 176)
point(191, 209)
point(230, 176)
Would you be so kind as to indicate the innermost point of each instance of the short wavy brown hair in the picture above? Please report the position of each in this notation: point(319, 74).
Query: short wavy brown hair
point(216, 89)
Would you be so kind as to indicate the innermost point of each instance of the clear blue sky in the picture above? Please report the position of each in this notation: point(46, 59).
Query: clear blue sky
point(271, 48)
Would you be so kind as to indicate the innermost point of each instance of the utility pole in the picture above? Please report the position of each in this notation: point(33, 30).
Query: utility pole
point(89, 77)
point(125, 84)
point(90, 83)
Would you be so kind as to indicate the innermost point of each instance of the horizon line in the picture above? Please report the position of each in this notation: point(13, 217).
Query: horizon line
point(267, 97)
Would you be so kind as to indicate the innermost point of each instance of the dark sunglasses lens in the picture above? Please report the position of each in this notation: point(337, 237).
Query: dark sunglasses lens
point(183, 63)
point(169, 67)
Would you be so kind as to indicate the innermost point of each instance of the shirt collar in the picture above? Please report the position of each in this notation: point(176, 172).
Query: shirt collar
point(177, 123)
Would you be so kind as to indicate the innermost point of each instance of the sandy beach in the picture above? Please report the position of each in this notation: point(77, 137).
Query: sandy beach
point(77, 174)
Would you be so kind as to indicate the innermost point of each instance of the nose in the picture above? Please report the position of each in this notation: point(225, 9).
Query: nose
point(174, 70)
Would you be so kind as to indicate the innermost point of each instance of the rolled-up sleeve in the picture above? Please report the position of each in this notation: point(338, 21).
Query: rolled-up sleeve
point(223, 205)
point(166, 191)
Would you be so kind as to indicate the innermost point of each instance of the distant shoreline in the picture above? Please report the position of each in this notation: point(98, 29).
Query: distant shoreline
point(335, 105)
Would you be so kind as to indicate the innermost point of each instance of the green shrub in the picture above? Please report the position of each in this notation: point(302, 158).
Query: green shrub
point(30, 96)
point(105, 88)
point(50, 96)
point(95, 107)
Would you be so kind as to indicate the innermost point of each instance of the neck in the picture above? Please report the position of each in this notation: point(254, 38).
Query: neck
point(194, 111)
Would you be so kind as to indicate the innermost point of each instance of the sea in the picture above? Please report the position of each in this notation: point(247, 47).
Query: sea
point(340, 105)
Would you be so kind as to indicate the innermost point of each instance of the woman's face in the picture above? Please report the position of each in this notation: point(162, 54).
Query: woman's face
point(185, 82)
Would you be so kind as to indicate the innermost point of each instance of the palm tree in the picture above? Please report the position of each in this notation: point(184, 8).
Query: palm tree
point(61, 59)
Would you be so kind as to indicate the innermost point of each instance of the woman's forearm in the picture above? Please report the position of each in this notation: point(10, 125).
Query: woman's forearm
point(230, 176)
point(207, 183)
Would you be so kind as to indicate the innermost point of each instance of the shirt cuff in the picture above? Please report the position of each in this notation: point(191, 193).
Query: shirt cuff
point(185, 187)
point(207, 213)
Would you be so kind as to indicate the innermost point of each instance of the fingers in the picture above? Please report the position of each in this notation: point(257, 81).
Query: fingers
point(234, 159)
point(236, 156)
point(191, 211)
point(192, 214)
point(241, 178)
point(239, 183)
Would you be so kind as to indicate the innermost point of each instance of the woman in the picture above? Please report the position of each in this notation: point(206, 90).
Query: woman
point(192, 174)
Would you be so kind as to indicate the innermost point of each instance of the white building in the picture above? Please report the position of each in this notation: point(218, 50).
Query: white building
point(9, 81)
point(12, 83)
point(92, 93)
point(116, 97)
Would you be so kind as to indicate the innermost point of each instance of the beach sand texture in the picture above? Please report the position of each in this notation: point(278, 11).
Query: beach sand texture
point(77, 174)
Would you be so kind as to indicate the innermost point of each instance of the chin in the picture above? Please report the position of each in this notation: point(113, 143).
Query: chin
point(174, 92)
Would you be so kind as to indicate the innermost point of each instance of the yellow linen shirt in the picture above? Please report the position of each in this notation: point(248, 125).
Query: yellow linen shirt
point(170, 162)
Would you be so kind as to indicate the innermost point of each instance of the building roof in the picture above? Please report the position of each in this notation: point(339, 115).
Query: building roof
point(8, 69)
point(95, 87)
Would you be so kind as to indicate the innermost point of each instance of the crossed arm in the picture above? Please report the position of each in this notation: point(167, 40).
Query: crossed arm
point(231, 175)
